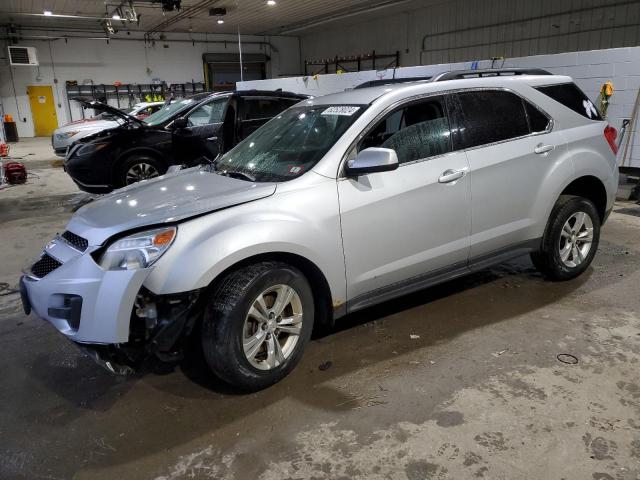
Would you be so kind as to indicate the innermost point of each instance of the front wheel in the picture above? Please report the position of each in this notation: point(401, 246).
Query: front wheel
point(257, 323)
point(137, 168)
point(570, 240)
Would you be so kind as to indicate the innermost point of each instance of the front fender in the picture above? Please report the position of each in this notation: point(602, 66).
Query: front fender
point(303, 222)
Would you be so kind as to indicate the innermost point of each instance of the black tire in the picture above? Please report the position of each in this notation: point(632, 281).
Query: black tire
point(131, 162)
point(223, 326)
point(547, 259)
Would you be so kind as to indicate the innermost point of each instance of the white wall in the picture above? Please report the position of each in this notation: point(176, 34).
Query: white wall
point(124, 61)
point(589, 69)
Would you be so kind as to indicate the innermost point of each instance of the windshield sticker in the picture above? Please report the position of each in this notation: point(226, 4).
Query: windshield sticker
point(343, 110)
point(295, 168)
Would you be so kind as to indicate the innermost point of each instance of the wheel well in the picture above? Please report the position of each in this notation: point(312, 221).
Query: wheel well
point(319, 285)
point(591, 188)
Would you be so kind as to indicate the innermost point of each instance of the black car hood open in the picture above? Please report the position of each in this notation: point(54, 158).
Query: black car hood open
point(103, 107)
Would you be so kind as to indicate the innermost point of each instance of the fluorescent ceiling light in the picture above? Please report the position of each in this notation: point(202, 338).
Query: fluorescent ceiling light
point(220, 22)
point(115, 16)
point(49, 13)
point(271, 3)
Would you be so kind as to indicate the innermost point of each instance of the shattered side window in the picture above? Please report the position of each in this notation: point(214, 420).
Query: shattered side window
point(417, 131)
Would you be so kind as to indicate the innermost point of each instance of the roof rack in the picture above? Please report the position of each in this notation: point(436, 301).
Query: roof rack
point(489, 72)
point(390, 81)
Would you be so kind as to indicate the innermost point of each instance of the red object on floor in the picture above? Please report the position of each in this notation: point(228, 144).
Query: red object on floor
point(15, 173)
point(4, 150)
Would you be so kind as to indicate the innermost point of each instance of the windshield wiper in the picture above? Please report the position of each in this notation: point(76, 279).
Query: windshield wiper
point(238, 174)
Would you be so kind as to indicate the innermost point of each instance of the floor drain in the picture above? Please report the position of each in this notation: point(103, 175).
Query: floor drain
point(567, 358)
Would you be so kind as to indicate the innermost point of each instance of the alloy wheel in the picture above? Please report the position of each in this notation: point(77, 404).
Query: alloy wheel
point(576, 239)
point(141, 171)
point(272, 327)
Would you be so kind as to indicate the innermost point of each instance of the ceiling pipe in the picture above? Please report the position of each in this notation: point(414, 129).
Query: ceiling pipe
point(84, 37)
point(123, 32)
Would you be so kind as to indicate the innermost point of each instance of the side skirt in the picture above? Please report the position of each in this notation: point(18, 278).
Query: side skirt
point(435, 277)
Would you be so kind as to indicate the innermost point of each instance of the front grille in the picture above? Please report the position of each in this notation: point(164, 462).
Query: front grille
point(75, 240)
point(44, 266)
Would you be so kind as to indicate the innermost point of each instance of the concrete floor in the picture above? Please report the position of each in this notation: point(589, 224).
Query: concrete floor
point(458, 381)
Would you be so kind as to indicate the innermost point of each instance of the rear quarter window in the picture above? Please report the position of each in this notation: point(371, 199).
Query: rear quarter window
point(569, 95)
point(538, 121)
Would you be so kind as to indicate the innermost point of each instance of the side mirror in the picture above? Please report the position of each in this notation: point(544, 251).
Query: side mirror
point(371, 160)
point(179, 123)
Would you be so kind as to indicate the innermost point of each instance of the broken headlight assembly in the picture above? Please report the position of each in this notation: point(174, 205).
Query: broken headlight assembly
point(137, 251)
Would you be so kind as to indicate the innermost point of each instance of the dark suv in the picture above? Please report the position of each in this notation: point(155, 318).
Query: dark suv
point(186, 132)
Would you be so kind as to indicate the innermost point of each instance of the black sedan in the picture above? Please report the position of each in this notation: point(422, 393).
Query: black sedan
point(186, 132)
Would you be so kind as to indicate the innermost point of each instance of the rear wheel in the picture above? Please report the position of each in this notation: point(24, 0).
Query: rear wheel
point(570, 240)
point(257, 324)
point(139, 167)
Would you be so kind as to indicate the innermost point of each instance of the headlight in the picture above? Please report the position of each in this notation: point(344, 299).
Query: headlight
point(139, 250)
point(90, 148)
point(65, 135)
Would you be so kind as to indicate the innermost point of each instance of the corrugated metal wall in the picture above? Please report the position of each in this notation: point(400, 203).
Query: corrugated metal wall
point(466, 30)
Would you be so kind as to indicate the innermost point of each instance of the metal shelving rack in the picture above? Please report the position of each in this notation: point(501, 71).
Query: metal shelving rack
point(128, 94)
point(355, 63)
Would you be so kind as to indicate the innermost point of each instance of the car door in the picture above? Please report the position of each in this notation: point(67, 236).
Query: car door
point(201, 140)
point(511, 150)
point(401, 228)
point(256, 111)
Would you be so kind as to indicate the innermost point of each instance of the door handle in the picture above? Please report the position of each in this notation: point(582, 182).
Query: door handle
point(212, 139)
point(449, 176)
point(540, 148)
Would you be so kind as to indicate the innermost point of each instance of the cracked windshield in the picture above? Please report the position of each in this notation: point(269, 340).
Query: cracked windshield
point(290, 144)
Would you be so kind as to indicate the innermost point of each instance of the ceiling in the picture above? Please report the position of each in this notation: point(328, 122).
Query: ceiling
point(250, 16)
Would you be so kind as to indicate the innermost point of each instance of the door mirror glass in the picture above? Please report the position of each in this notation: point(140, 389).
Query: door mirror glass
point(371, 160)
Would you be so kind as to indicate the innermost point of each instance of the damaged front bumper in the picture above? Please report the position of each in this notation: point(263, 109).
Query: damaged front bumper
point(84, 302)
point(109, 314)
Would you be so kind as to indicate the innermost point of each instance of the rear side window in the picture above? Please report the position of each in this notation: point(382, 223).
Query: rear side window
point(416, 131)
point(572, 97)
point(488, 116)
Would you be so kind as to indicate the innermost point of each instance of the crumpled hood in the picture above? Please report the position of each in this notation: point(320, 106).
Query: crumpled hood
point(166, 199)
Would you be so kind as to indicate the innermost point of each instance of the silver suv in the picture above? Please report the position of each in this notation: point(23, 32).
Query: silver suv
point(336, 204)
